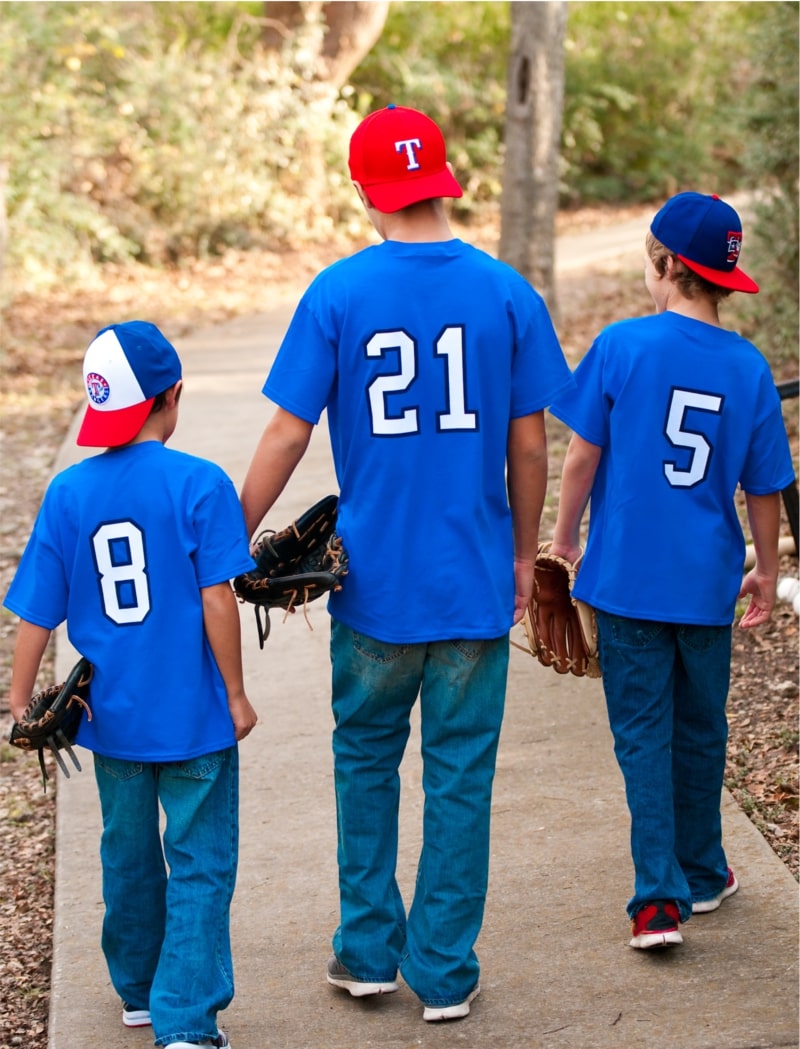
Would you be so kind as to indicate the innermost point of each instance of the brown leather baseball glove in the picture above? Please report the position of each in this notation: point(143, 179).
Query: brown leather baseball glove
point(561, 631)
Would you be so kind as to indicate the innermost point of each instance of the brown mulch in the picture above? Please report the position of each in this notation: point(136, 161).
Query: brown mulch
point(42, 340)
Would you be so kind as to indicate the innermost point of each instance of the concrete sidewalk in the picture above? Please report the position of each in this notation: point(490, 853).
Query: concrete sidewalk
point(556, 969)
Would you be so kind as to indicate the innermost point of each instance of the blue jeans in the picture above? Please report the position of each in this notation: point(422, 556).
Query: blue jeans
point(166, 932)
point(461, 687)
point(666, 687)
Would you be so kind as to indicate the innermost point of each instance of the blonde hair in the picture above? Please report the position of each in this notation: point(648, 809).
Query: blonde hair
point(690, 284)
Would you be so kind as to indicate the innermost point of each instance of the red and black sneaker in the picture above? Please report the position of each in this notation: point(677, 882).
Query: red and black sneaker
point(656, 925)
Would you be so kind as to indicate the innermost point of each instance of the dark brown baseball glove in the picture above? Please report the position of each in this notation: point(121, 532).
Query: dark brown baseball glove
point(52, 717)
point(294, 566)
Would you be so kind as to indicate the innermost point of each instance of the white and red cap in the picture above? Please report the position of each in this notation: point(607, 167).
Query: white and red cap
point(125, 367)
point(398, 155)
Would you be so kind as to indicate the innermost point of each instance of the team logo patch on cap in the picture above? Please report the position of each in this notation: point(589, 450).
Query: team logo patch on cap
point(734, 245)
point(97, 388)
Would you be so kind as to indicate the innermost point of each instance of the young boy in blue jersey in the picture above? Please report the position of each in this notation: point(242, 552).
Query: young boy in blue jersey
point(435, 363)
point(671, 413)
point(135, 548)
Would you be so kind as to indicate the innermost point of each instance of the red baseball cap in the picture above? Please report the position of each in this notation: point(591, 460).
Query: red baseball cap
point(398, 155)
point(706, 235)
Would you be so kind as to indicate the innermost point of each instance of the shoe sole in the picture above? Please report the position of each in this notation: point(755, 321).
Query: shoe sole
point(648, 940)
point(137, 1021)
point(707, 906)
point(359, 989)
point(435, 1013)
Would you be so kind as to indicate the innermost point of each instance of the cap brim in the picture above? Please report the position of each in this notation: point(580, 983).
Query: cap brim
point(392, 196)
point(735, 279)
point(111, 429)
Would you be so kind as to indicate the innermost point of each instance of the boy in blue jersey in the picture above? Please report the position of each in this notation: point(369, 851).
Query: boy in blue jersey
point(671, 413)
point(435, 363)
point(135, 548)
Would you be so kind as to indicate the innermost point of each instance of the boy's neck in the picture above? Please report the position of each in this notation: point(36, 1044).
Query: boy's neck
point(699, 309)
point(424, 223)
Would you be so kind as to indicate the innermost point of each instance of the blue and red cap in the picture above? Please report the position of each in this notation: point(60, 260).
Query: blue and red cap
point(398, 155)
point(706, 235)
point(125, 367)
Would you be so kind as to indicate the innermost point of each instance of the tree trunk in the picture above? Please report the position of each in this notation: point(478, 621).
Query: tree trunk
point(534, 109)
point(351, 29)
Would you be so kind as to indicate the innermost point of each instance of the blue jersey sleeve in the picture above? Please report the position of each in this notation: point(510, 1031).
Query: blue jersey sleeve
point(301, 383)
point(39, 591)
point(585, 407)
point(768, 466)
point(223, 548)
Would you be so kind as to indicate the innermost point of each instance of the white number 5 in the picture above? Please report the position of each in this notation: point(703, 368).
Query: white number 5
point(682, 437)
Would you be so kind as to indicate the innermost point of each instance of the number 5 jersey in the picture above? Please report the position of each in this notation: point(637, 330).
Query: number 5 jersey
point(684, 413)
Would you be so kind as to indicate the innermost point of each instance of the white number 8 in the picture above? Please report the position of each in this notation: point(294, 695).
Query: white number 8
point(122, 571)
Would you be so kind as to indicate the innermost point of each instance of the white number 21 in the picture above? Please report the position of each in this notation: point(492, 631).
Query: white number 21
point(450, 346)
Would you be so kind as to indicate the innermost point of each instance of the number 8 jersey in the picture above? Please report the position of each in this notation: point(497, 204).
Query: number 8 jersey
point(422, 354)
point(121, 548)
point(684, 413)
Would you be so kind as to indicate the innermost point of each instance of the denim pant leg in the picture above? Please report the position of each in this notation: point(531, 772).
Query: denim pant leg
point(134, 876)
point(462, 704)
point(638, 659)
point(375, 686)
point(194, 979)
point(698, 755)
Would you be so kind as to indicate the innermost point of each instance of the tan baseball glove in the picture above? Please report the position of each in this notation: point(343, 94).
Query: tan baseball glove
point(561, 631)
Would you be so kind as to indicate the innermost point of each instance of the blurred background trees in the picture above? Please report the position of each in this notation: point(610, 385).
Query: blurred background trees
point(158, 132)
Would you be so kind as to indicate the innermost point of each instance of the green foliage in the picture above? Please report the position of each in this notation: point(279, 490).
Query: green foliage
point(125, 138)
point(176, 134)
point(770, 157)
point(650, 97)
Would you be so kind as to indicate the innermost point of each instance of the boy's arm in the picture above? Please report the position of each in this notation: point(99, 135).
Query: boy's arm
point(28, 651)
point(577, 478)
point(527, 483)
point(282, 446)
point(764, 514)
point(221, 620)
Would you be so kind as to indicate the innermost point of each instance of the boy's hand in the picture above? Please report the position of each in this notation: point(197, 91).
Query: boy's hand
point(243, 715)
point(523, 586)
point(762, 598)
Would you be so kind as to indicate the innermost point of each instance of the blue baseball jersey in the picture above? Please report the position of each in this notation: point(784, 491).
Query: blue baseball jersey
point(121, 548)
point(684, 413)
point(421, 354)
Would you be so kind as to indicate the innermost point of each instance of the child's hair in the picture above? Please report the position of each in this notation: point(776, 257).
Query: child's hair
point(690, 284)
point(160, 399)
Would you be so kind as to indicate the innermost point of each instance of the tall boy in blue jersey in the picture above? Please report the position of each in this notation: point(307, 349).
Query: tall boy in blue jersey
point(671, 413)
point(435, 363)
point(134, 548)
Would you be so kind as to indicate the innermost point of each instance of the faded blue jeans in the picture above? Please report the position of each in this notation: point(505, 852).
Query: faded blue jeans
point(166, 932)
point(666, 688)
point(461, 687)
